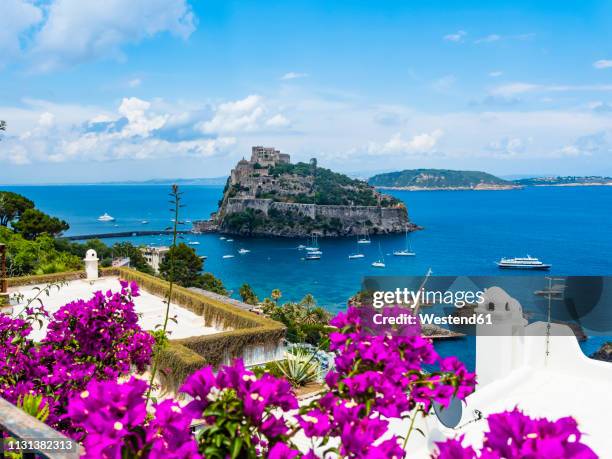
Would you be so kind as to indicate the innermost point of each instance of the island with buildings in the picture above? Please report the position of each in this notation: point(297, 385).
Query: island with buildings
point(270, 196)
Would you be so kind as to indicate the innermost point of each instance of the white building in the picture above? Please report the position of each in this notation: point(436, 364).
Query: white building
point(154, 256)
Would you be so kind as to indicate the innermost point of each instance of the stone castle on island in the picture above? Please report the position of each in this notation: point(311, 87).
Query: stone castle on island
point(269, 196)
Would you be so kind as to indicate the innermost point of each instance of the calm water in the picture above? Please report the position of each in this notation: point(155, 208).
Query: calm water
point(465, 232)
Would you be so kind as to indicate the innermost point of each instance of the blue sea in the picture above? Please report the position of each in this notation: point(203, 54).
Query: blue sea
point(464, 233)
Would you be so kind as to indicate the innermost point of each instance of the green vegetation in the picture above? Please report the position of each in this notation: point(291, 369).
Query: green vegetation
point(12, 205)
point(208, 281)
point(436, 178)
point(37, 256)
point(251, 221)
point(248, 295)
point(187, 270)
point(32, 223)
point(300, 368)
point(329, 188)
point(305, 321)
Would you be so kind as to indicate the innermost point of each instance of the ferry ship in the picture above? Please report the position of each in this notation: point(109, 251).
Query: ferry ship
point(527, 262)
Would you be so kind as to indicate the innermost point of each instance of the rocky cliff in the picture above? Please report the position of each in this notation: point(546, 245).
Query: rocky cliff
point(269, 196)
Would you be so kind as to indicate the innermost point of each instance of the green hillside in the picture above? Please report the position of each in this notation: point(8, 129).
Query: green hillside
point(437, 179)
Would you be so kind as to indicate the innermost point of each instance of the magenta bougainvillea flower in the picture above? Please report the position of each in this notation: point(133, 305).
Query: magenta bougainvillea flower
point(99, 338)
point(514, 435)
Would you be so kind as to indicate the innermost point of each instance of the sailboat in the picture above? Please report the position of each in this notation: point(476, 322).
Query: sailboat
point(365, 239)
point(353, 256)
point(313, 249)
point(380, 263)
point(407, 252)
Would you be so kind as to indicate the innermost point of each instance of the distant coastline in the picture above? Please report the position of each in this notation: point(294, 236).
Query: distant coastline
point(454, 188)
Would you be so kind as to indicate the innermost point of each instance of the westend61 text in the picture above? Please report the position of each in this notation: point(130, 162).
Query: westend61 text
point(431, 319)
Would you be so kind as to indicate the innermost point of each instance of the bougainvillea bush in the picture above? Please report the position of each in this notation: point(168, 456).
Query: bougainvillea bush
point(77, 369)
point(95, 339)
point(514, 435)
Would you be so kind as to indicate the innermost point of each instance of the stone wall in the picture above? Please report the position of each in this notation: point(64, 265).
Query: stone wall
point(353, 219)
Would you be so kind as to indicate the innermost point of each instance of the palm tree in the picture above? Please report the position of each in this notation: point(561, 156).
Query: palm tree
point(276, 294)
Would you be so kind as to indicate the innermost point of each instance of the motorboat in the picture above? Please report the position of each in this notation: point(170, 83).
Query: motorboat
point(106, 218)
point(356, 255)
point(228, 256)
point(194, 243)
point(243, 251)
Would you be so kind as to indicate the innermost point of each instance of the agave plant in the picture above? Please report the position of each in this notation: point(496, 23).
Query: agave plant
point(300, 367)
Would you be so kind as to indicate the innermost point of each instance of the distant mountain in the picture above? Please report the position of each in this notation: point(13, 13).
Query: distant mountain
point(570, 180)
point(440, 179)
point(210, 181)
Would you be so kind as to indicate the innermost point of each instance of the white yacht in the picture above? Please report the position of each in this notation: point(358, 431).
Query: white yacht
point(228, 256)
point(243, 251)
point(222, 238)
point(229, 240)
point(407, 251)
point(193, 243)
point(313, 256)
point(356, 255)
point(527, 262)
point(106, 218)
point(144, 222)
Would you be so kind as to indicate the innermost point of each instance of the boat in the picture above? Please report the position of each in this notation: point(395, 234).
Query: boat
point(193, 243)
point(301, 247)
point(527, 262)
point(243, 251)
point(356, 255)
point(313, 256)
point(380, 263)
point(406, 252)
point(228, 256)
point(144, 222)
point(106, 218)
point(222, 238)
point(314, 247)
point(229, 240)
point(364, 239)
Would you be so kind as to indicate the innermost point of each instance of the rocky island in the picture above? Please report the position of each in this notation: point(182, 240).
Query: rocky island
point(269, 196)
point(440, 179)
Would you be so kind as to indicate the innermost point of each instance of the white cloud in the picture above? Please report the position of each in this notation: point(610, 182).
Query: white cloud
point(134, 82)
point(293, 76)
point(496, 73)
point(603, 64)
point(444, 83)
point(132, 132)
point(420, 144)
point(456, 37)
point(508, 146)
point(278, 120)
point(512, 89)
point(76, 30)
point(17, 17)
point(245, 115)
point(489, 38)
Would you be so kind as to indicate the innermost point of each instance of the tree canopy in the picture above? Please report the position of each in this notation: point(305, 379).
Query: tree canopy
point(33, 222)
point(12, 206)
point(187, 265)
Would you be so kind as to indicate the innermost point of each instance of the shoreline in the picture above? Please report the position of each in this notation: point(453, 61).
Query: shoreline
point(453, 188)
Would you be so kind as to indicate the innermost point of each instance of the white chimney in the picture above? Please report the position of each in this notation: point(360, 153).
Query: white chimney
point(499, 346)
point(91, 264)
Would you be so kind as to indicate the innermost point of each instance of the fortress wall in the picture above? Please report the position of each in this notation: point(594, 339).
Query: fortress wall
point(353, 218)
point(237, 205)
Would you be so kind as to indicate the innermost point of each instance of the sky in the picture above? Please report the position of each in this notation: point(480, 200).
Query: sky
point(142, 89)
